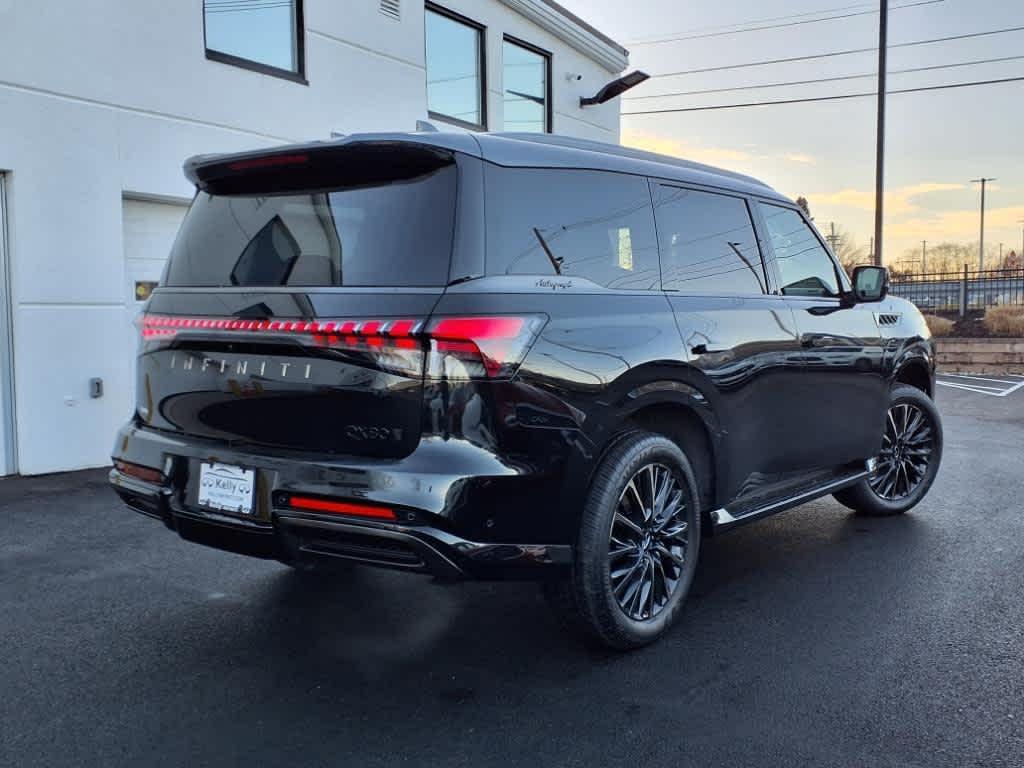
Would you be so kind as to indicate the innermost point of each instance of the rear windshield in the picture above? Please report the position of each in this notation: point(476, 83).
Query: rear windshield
point(397, 233)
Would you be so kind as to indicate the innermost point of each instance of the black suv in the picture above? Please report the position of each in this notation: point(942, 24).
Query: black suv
point(513, 356)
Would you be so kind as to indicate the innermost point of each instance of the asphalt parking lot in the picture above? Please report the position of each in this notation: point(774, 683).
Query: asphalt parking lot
point(811, 639)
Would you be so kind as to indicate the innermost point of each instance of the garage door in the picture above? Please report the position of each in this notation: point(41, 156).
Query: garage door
point(149, 232)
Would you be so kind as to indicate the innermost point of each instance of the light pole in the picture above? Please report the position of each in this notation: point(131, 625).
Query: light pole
point(924, 256)
point(1021, 222)
point(981, 239)
point(883, 28)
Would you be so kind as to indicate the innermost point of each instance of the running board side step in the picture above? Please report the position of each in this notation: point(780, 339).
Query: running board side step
point(723, 519)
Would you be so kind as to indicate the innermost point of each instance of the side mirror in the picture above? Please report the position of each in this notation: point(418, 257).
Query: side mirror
point(870, 283)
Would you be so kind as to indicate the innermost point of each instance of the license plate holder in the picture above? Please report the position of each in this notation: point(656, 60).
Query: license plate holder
point(226, 488)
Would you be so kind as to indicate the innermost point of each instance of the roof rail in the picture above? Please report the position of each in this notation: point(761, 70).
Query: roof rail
point(602, 147)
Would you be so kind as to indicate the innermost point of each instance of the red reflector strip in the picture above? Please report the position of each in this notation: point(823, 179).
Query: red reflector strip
point(342, 507)
point(142, 473)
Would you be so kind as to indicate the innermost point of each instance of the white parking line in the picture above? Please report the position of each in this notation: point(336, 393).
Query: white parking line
point(982, 389)
point(971, 386)
point(979, 378)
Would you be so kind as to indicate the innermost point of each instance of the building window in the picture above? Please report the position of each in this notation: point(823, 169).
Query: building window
point(262, 35)
point(456, 85)
point(527, 87)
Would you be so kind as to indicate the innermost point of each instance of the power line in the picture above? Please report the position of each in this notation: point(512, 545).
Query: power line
point(830, 54)
point(660, 40)
point(714, 27)
point(823, 79)
point(826, 98)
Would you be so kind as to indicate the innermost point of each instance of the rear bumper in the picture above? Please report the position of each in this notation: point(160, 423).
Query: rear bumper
point(423, 540)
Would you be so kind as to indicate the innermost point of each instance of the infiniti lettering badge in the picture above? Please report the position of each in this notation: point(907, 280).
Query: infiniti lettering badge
point(271, 369)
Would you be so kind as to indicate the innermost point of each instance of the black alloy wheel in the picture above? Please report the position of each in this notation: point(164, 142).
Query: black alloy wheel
point(908, 461)
point(637, 547)
point(648, 542)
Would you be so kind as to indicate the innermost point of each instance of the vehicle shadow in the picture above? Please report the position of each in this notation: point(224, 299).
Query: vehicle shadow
point(380, 625)
point(353, 657)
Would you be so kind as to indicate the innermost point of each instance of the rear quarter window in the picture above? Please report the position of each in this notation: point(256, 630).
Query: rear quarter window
point(397, 233)
point(576, 223)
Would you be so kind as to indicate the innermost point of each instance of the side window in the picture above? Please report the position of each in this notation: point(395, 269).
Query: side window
point(708, 243)
point(574, 223)
point(805, 268)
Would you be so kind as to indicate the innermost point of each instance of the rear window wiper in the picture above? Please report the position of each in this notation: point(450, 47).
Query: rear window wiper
point(463, 279)
point(556, 261)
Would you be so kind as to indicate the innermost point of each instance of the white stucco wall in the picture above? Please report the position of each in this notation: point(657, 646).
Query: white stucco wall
point(103, 99)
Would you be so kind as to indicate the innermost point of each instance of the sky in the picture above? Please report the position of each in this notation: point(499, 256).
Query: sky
point(936, 142)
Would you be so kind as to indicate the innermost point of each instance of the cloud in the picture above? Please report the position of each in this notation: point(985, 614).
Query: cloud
point(677, 148)
point(900, 200)
point(798, 157)
point(957, 225)
point(727, 157)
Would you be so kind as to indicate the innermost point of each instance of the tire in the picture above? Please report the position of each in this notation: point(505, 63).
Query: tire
point(628, 597)
point(881, 494)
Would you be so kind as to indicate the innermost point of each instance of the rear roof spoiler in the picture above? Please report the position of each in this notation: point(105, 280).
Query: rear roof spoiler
point(316, 166)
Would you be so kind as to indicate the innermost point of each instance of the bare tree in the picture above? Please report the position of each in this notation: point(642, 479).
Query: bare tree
point(847, 251)
point(804, 206)
point(950, 257)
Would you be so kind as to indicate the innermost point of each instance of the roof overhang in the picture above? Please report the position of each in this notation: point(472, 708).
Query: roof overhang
point(571, 29)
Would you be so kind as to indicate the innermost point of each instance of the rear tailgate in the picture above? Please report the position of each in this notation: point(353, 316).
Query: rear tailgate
point(294, 379)
point(291, 309)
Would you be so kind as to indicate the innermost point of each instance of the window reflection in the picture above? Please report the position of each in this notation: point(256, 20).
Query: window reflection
point(396, 234)
point(255, 30)
point(525, 74)
point(805, 268)
point(708, 243)
point(589, 224)
point(454, 80)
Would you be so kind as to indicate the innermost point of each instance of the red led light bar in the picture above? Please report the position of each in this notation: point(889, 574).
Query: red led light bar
point(356, 509)
point(465, 347)
point(273, 161)
point(163, 327)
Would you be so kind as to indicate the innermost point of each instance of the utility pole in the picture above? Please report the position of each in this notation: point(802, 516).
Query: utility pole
point(1021, 222)
point(981, 239)
point(833, 239)
point(924, 256)
point(883, 32)
point(871, 250)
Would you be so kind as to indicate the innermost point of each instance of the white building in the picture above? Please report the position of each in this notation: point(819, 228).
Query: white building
point(102, 100)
